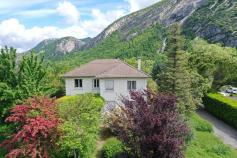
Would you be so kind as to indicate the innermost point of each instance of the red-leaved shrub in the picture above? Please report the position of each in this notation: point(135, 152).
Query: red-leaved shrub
point(36, 131)
point(150, 126)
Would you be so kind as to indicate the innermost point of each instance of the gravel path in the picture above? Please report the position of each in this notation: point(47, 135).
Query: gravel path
point(221, 129)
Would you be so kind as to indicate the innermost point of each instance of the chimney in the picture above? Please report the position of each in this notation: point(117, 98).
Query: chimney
point(139, 63)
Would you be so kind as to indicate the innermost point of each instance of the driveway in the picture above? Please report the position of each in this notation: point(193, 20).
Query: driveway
point(221, 129)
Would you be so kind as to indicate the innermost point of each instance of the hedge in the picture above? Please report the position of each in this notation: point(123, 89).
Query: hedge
point(222, 107)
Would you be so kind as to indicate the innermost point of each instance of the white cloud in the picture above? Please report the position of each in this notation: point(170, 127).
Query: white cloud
point(136, 5)
point(13, 33)
point(101, 20)
point(65, 9)
point(36, 13)
point(69, 11)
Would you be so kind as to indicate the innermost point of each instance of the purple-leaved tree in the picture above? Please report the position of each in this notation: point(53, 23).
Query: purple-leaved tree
point(150, 126)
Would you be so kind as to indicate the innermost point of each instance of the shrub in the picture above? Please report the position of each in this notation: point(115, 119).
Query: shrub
point(5, 131)
point(113, 148)
point(80, 117)
point(222, 107)
point(36, 132)
point(150, 126)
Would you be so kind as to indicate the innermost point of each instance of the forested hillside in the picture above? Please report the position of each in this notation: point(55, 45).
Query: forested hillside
point(213, 20)
point(149, 45)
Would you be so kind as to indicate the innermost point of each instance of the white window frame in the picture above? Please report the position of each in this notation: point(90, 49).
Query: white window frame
point(131, 86)
point(106, 84)
point(79, 83)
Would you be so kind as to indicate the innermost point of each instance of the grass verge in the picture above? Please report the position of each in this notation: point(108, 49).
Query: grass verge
point(205, 144)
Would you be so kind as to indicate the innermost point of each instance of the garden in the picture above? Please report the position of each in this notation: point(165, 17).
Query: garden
point(37, 120)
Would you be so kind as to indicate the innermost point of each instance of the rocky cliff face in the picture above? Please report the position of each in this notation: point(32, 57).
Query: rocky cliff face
point(213, 20)
point(62, 46)
point(216, 21)
point(165, 12)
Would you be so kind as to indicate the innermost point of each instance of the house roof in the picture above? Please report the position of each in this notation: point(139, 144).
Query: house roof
point(106, 68)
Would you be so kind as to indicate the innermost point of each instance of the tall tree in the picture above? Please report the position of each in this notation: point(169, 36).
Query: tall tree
point(174, 76)
point(216, 64)
point(8, 80)
point(150, 125)
point(37, 129)
point(33, 78)
point(21, 79)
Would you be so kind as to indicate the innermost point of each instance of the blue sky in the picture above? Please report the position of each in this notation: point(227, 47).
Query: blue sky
point(24, 23)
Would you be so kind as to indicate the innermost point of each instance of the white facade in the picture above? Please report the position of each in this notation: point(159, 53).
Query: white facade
point(120, 87)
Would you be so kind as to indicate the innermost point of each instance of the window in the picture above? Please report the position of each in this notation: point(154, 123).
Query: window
point(78, 83)
point(109, 84)
point(132, 85)
point(96, 83)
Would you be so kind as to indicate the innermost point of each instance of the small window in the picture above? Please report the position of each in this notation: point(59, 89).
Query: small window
point(78, 83)
point(132, 85)
point(96, 83)
point(109, 84)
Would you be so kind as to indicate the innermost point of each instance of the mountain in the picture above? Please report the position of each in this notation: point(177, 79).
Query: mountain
point(165, 12)
point(216, 21)
point(62, 46)
point(213, 20)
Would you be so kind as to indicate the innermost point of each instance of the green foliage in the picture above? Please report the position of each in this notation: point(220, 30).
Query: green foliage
point(21, 79)
point(146, 45)
point(5, 132)
point(33, 79)
point(8, 73)
point(7, 97)
point(174, 76)
point(199, 124)
point(205, 144)
point(217, 65)
point(81, 119)
point(222, 107)
point(113, 148)
point(8, 80)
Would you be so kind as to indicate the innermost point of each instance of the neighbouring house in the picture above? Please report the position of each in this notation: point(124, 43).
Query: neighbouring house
point(110, 78)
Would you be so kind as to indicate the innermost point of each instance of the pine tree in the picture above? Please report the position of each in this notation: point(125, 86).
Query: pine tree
point(174, 76)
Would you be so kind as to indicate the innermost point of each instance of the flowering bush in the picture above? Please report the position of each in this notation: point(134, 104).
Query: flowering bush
point(36, 132)
point(150, 126)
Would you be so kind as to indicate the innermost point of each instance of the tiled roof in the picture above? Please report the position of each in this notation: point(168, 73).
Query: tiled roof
point(106, 68)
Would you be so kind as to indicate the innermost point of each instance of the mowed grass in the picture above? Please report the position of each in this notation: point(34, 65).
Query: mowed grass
point(205, 144)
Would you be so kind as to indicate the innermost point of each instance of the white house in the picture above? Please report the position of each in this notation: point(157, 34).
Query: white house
point(111, 78)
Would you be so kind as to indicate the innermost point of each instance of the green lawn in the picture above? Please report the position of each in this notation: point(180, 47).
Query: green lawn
point(205, 144)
